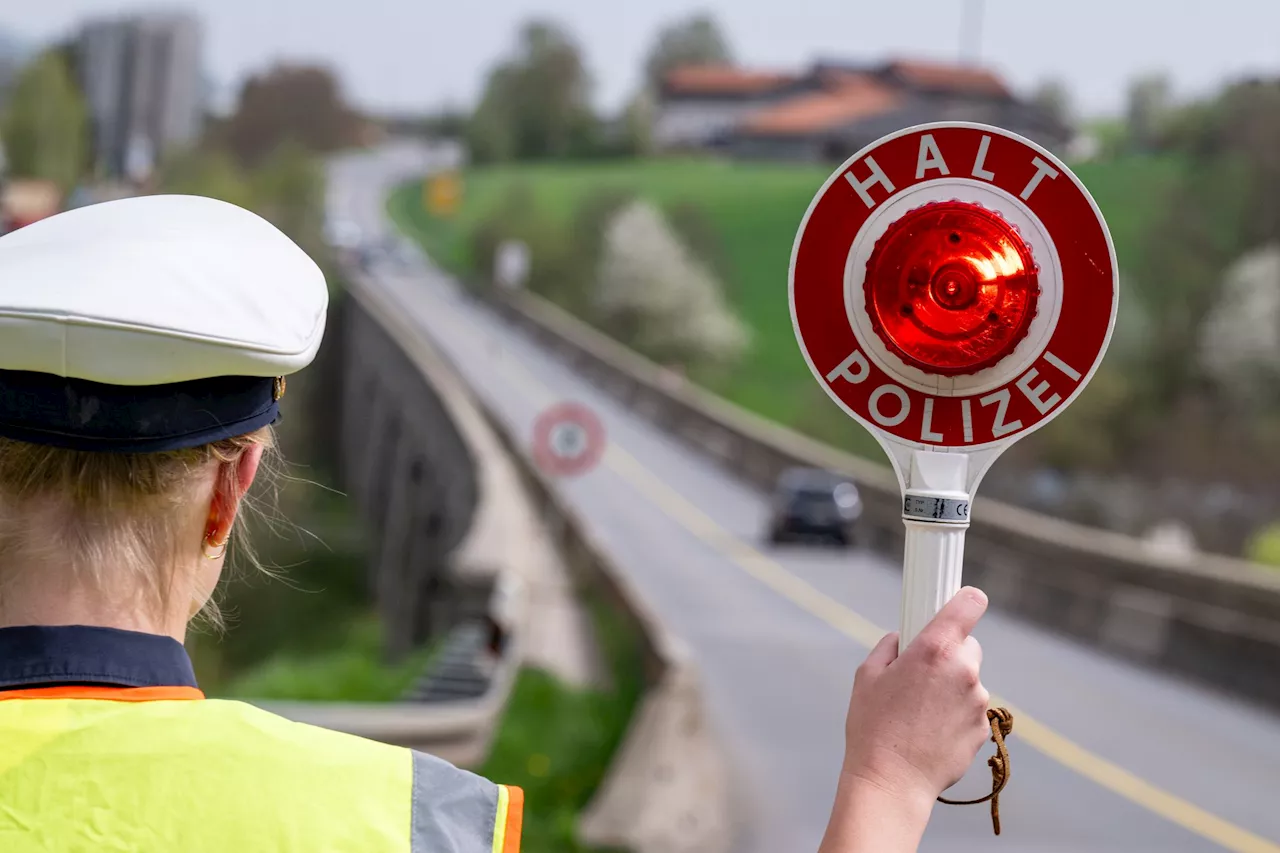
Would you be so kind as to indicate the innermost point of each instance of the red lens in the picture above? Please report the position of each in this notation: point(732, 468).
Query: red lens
point(951, 288)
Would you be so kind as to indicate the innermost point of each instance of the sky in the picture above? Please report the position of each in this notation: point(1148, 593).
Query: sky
point(417, 55)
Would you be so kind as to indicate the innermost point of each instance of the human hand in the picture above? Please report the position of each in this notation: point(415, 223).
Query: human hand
point(917, 720)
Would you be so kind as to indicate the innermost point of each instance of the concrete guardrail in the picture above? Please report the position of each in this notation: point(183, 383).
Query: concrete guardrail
point(667, 788)
point(485, 559)
point(1211, 617)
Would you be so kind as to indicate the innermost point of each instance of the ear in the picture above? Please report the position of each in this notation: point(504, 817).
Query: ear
point(230, 485)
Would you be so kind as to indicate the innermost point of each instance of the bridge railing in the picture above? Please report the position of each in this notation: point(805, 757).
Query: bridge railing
point(1210, 616)
point(666, 790)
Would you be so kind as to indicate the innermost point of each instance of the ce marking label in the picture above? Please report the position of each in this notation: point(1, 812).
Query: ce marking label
point(926, 508)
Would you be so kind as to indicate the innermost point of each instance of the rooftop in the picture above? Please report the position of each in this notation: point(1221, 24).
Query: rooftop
point(723, 80)
point(912, 74)
point(937, 76)
point(846, 101)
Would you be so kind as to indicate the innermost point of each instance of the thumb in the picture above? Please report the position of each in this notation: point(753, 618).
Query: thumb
point(884, 653)
point(959, 616)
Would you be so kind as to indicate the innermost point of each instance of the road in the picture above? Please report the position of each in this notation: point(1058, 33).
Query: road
point(1106, 756)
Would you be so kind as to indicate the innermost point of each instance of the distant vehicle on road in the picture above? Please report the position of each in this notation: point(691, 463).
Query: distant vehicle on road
point(343, 234)
point(818, 504)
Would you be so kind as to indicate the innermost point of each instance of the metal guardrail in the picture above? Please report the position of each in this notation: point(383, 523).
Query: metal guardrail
point(1211, 617)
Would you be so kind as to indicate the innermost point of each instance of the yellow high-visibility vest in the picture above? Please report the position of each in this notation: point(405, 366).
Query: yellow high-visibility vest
point(149, 770)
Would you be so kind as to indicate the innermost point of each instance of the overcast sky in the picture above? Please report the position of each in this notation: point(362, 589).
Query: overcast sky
point(420, 54)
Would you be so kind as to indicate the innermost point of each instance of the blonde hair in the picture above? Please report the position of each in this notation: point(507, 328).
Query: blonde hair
point(104, 514)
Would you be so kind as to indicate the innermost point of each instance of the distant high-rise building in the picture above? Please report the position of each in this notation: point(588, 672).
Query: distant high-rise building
point(142, 79)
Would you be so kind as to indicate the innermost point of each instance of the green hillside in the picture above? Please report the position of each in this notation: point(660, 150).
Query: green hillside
point(755, 210)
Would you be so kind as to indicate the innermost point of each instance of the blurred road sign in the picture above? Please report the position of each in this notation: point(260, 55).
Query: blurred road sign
point(442, 193)
point(511, 266)
point(568, 440)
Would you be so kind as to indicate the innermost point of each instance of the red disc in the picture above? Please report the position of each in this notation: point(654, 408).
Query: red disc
point(905, 373)
point(951, 288)
point(568, 440)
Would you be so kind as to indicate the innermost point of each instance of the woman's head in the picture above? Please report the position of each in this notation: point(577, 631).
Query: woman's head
point(143, 359)
point(83, 531)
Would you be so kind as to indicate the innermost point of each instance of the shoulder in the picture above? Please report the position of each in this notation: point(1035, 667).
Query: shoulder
point(259, 730)
point(452, 809)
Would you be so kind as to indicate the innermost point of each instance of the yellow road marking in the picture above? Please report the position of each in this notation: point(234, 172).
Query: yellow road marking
point(1035, 734)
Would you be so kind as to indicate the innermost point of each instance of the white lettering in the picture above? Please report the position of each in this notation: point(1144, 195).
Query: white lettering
point(856, 359)
point(966, 415)
point(978, 171)
point(1001, 398)
point(904, 405)
point(926, 426)
point(877, 177)
point(930, 157)
point(1062, 365)
point(1036, 394)
point(1043, 169)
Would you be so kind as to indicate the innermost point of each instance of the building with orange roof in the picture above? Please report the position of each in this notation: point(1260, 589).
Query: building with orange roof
point(833, 109)
point(699, 105)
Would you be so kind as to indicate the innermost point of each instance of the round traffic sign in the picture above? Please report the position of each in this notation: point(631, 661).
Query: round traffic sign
point(568, 440)
point(953, 285)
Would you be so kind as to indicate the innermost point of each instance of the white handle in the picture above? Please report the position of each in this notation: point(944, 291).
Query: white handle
point(931, 569)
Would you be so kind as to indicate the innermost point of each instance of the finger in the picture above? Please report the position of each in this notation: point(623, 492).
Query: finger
point(884, 653)
point(958, 617)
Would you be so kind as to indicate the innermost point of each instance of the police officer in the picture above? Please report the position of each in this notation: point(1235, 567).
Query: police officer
point(143, 349)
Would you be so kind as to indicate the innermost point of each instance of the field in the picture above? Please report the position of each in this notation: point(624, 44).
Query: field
point(755, 210)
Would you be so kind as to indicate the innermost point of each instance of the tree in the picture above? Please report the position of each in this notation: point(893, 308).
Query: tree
point(536, 103)
point(299, 103)
point(46, 127)
point(1148, 110)
point(636, 124)
point(1052, 97)
point(655, 296)
point(213, 174)
point(695, 40)
point(289, 188)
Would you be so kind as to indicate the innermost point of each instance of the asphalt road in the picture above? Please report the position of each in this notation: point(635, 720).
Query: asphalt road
point(1105, 756)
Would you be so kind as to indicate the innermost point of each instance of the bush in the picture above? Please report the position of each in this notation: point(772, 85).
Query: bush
point(556, 270)
point(655, 297)
point(1265, 546)
point(352, 671)
point(698, 233)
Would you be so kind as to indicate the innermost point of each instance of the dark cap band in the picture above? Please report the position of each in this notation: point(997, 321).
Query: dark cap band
point(74, 414)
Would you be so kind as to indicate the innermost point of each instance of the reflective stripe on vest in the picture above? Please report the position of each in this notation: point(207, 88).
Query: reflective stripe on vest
point(127, 771)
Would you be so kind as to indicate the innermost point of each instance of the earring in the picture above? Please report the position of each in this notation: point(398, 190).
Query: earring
point(212, 551)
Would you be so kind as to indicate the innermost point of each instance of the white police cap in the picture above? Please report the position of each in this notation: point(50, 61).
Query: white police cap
point(152, 323)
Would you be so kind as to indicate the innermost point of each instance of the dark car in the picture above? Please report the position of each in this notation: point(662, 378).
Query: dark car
point(813, 503)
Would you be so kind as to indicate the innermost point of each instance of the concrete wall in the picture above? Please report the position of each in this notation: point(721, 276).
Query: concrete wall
point(1213, 618)
point(412, 475)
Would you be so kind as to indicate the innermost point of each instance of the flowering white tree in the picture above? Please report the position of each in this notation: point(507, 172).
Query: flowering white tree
point(654, 295)
point(1240, 347)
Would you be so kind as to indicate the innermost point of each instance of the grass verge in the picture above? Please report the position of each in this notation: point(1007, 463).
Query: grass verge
point(352, 671)
point(556, 742)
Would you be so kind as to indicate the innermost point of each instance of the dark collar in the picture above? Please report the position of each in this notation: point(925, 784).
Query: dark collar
point(63, 655)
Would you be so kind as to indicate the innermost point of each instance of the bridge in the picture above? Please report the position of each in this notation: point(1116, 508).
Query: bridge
point(1146, 691)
